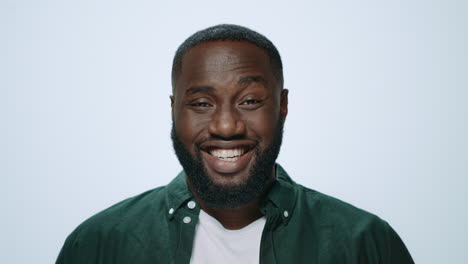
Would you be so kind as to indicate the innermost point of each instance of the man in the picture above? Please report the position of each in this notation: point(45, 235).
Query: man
point(232, 203)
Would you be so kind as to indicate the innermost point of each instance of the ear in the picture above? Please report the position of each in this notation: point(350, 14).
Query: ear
point(172, 107)
point(284, 104)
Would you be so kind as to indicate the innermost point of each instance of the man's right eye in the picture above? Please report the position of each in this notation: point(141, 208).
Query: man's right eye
point(200, 105)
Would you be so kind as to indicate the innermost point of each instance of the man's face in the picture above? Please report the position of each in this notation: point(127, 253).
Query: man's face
point(228, 111)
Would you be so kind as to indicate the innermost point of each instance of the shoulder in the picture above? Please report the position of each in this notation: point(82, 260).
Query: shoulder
point(125, 223)
point(330, 211)
point(319, 208)
point(123, 215)
point(366, 235)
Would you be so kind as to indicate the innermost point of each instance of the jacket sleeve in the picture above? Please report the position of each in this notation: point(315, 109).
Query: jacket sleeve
point(81, 248)
point(376, 242)
point(397, 251)
point(95, 244)
point(64, 256)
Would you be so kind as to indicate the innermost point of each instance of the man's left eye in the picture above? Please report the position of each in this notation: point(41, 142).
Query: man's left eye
point(201, 104)
point(250, 102)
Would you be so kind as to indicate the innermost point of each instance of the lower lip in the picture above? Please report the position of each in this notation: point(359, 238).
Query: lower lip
point(227, 167)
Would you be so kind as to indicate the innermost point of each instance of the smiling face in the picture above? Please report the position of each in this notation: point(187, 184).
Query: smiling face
point(228, 110)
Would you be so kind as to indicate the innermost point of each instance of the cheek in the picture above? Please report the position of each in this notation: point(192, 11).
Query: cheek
point(190, 127)
point(263, 124)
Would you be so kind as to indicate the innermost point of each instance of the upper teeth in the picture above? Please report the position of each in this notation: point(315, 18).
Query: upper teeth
point(227, 153)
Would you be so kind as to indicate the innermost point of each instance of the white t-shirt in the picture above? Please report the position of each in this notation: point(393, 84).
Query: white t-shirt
point(215, 244)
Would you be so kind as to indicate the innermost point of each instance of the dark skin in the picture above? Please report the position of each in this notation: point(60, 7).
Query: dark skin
point(225, 97)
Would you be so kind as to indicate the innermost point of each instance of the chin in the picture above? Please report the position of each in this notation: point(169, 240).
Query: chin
point(223, 181)
point(229, 173)
point(229, 180)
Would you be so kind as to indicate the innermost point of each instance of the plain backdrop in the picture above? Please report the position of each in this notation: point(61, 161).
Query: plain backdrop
point(377, 110)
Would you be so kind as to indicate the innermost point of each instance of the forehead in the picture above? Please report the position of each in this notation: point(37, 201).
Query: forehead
point(221, 60)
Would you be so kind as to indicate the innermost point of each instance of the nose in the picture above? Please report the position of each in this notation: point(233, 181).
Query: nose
point(227, 124)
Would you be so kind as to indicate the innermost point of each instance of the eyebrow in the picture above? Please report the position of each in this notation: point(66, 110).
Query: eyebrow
point(211, 89)
point(199, 89)
point(250, 79)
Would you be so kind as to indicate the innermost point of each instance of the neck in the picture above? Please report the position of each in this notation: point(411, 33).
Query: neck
point(236, 218)
point(239, 217)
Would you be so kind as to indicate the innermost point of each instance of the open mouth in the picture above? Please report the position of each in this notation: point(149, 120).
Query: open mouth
point(227, 157)
point(228, 154)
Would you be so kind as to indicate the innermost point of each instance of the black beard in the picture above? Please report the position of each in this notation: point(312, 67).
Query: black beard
point(218, 196)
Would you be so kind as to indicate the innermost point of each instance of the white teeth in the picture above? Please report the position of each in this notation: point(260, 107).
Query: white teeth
point(227, 154)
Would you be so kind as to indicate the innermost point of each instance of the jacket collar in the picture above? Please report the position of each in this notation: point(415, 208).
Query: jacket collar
point(280, 200)
point(177, 194)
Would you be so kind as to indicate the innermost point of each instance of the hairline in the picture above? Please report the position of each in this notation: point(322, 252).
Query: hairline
point(228, 32)
point(177, 67)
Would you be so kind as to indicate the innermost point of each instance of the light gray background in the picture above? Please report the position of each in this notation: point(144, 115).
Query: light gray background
point(378, 114)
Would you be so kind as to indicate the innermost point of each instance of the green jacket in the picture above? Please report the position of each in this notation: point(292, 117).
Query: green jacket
point(303, 226)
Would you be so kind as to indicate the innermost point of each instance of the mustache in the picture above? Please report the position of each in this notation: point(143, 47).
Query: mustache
point(220, 138)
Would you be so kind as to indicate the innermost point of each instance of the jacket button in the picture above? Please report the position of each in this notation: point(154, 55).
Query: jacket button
point(171, 211)
point(191, 204)
point(187, 219)
point(286, 213)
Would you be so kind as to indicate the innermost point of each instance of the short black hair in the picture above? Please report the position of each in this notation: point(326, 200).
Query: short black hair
point(228, 32)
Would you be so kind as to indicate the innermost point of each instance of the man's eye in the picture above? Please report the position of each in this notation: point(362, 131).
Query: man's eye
point(250, 102)
point(201, 105)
